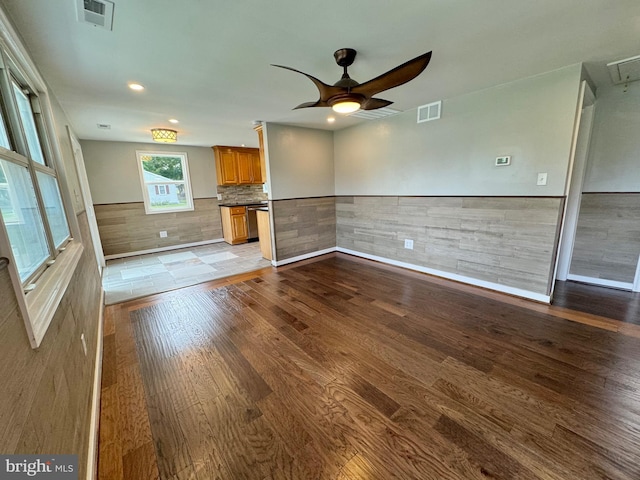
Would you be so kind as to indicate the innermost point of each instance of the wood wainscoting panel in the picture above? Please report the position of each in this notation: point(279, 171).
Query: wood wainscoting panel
point(607, 242)
point(505, 240)
point(45, 405)
point(126, 228)
point(303, 225)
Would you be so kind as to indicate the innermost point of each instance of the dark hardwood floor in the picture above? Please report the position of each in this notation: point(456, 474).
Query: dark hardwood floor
point(346, 369)
point(608, 302)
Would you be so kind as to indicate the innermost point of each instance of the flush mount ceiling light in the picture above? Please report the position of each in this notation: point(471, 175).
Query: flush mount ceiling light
point(164, 135)
point(136, 87)
point(173, 120)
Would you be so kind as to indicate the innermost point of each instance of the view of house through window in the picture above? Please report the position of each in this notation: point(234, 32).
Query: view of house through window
point(165, 181)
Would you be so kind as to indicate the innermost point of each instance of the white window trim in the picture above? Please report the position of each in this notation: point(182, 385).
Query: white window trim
point(39, 306)
point(187, 182)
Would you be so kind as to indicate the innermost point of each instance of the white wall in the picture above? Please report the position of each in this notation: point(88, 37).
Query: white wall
point(113, 171)
point(300, 162)
point(614, 154)
point(530, 119)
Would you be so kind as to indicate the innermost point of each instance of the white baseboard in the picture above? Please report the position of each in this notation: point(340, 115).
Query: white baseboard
point(92, 460)
point(286, 261)
point(601, 282)
point(518, 292)
point(162, 249)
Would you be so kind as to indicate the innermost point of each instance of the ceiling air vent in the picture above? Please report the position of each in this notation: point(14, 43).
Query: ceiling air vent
point(373, 114)
point(430, 111)
point(96, 12)
point(623, 71)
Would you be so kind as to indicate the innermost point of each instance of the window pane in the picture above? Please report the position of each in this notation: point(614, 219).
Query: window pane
point(22, 218)
point(4, 136)
point(29, 125)
point(162, 197)
point(53, 208)
point(165, 180)
point(162, 168)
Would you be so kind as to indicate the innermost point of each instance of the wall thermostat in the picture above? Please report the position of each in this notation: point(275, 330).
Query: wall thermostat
point(503, 161)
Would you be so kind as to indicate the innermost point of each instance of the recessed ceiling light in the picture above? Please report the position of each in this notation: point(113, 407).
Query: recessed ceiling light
point(173, 120)
point(331, 119)
point(136, 87)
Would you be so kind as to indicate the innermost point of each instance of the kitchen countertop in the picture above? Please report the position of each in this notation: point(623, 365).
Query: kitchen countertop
point(243, 204)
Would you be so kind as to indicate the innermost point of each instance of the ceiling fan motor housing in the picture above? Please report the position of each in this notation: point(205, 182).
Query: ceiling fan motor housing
point(345, 56)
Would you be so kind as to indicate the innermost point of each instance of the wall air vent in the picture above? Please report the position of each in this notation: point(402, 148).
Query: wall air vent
point(623, 71)
point(98, 13)
point(373, 114)
point(430, 111)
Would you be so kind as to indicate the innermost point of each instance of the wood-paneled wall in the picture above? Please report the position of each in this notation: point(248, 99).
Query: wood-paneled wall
point(303, 225)
point(45, 403)
point(607, 242)
point(506, 240)
point(126, 228)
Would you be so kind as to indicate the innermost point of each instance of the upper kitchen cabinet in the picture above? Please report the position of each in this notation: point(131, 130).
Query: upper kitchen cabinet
point(238, 165)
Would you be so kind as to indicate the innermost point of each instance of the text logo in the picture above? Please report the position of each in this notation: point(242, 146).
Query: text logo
point(45, 467)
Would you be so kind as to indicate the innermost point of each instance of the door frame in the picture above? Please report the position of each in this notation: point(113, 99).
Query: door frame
point(78, 157)
point(575, 180)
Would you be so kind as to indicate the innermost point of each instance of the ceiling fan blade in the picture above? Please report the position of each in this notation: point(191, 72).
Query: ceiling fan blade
point(319, 103)
point(326, 91)
point(395, 77)
point(374, 103)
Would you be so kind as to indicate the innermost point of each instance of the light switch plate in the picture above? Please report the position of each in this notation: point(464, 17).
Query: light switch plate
point(408, 244)
point(163, 234)
point(219, 196)
point(542, 178)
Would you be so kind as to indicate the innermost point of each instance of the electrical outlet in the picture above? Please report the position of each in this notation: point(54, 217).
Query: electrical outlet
point(219, 196)
point(408, 244)
point(84, 344)
point(542, 178)
point(163, 234)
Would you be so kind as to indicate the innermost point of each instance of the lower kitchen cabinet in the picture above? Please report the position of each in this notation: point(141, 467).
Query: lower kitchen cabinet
point(234, 224)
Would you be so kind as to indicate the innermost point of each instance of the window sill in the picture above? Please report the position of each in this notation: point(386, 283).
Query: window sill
point(42, 303)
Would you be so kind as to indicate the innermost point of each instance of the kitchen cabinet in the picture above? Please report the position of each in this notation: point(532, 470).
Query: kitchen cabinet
point(238, 165)
point(264, 233)
point(234, 224)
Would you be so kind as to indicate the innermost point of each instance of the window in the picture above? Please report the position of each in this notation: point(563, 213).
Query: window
point(35, 231)
point(30, 200)
point(165, 182)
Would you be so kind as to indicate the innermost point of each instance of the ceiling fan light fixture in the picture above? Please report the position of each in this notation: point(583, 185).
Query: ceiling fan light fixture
point(346, 102)
point(164, 135)
point(346, 106)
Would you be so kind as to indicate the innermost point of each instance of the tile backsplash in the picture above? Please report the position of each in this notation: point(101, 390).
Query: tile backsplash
point(241, 193)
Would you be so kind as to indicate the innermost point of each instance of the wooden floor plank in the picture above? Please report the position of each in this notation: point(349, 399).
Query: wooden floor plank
point(341, 368)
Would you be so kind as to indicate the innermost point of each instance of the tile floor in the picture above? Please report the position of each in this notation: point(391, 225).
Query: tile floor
point(135, 277)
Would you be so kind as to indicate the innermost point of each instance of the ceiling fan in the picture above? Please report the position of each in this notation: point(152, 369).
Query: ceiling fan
point(347, 95)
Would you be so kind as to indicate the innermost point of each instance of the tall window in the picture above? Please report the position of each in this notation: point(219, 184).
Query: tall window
point(165, 181)
point(30, 202)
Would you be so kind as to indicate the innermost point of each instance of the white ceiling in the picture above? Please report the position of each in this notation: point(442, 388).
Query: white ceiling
point(207, 63)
